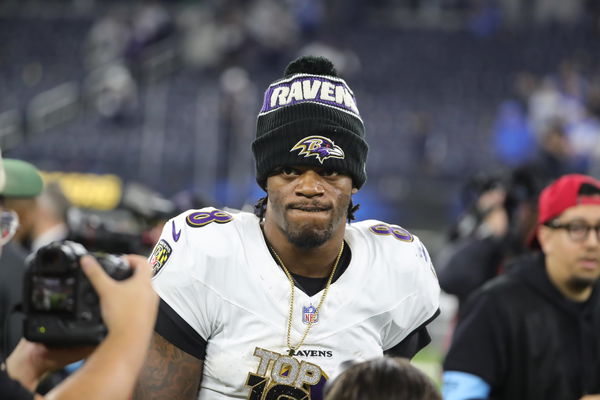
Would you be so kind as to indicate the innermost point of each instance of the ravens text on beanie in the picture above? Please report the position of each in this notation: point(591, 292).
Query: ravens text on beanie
point(310, 118)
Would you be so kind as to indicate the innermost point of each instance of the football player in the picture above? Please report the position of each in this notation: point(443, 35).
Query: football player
point(269, 306)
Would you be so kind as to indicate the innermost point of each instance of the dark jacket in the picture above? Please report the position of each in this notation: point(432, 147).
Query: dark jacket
point(526, 340)
point(11, 389)
point(468, 264)
point(12, 271)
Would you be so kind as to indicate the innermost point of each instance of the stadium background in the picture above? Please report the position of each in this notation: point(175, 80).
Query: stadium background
point(139, 108)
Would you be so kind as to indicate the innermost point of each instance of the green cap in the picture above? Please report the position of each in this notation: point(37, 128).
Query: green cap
point(22, 179)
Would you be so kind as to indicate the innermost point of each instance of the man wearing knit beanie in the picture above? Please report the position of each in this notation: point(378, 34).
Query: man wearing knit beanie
point(270, 305)
point(310, 118)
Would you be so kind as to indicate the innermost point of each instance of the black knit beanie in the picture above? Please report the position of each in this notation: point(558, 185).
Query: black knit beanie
point(310, 118)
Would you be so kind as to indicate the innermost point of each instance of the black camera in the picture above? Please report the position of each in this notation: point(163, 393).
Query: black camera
point(60, 304)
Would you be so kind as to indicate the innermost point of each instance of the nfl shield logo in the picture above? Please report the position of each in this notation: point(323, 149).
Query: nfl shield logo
point(309, 315)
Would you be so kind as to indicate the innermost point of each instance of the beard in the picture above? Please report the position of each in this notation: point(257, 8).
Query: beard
point(308, 235)
point(578, 284)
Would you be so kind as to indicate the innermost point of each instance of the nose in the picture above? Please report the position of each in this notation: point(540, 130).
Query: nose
point(309, 184)
point(593, 237)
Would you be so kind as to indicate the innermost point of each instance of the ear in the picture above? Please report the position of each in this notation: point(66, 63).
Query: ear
point(354, 190)
point(266, 185)
point(543, 236)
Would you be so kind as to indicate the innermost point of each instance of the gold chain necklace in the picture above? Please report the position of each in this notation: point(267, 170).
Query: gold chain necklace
point(292, 349)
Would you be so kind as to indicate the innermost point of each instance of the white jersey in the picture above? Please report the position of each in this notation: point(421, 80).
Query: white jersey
point(215, 270)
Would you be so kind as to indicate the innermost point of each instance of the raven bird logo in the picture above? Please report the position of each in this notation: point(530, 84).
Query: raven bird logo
point(318, 146)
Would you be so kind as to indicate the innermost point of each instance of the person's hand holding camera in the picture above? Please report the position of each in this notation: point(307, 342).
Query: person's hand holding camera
point(495, 218)
point(30, 361)
point(129, 309)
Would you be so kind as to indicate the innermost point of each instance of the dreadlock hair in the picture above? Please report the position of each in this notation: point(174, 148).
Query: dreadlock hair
point(260, 209)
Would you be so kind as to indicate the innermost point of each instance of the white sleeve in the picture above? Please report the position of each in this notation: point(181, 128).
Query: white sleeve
point(421, 305)
point(179, 265)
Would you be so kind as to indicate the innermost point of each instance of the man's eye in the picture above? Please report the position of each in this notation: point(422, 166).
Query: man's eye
point(578, 228)
point(329, 172)
point(287, 171)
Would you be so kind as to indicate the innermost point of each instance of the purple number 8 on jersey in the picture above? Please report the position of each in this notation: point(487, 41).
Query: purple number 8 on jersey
point(394, 230)
point(201, 218)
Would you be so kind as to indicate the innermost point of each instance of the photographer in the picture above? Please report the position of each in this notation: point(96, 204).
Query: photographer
point(128, 310)
point(493, 230)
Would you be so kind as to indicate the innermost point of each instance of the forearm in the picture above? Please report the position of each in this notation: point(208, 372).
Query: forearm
point(109, 373)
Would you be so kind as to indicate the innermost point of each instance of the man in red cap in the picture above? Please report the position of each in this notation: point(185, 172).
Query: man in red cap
point(534, 332)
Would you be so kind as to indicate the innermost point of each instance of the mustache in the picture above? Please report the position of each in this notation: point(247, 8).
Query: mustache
point(589, 257)
point(308, 206)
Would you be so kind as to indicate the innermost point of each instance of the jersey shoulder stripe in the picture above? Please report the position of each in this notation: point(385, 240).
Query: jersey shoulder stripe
point(394, 244)
point(210, 229)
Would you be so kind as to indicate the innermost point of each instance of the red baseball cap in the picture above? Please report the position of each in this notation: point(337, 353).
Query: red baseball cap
point(560, 195)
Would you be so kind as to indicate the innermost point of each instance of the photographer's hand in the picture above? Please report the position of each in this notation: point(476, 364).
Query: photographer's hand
point(496, 223)
point(29, 361)
point(495, 218)
point(129, 307)
point(129, 311)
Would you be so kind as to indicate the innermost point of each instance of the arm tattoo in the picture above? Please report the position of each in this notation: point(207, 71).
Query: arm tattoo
point(168, 373)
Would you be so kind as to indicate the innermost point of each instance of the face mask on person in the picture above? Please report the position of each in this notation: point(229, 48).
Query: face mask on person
point(9, 222)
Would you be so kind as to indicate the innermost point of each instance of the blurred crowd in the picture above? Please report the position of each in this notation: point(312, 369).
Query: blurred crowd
point(552, 121)
point(153, 75)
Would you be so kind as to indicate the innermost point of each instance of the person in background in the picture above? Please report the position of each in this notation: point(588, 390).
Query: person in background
point(492, 231)
point(49, 225)
point(22, 186)
point(128, 310)
point(51, 219)
point(555, 156)
point(384, 378)
point(533, 332)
